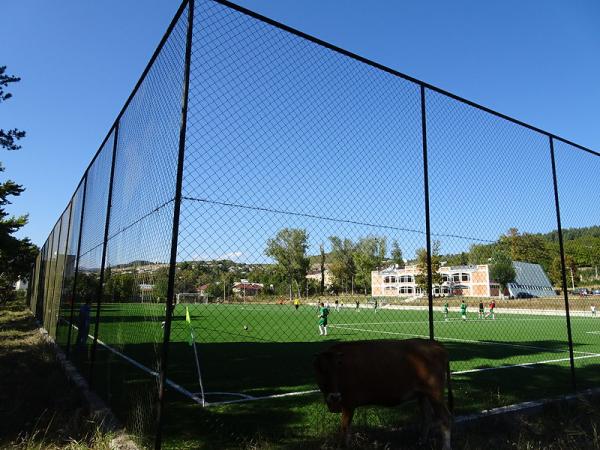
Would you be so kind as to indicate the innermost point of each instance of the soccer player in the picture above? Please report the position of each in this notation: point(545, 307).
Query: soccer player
point(357, 305)
point(446, 311)
point(323, 313)
point(481, 310)
point(463, 310)
point(593, 310)
point(337, 306)
point(491, 311)
point(296, 303)
point(376, 305)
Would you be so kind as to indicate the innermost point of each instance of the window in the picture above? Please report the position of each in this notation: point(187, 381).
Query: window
point(445, 278)
point(406, 290)
point(456, 277)
point(406, 279)
point(465, 277)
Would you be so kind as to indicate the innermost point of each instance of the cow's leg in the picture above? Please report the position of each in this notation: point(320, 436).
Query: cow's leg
point(347, 414)
point(426, 415)
point(444, 418)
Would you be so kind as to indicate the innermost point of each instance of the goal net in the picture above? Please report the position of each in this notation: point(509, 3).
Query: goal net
point(190, 298)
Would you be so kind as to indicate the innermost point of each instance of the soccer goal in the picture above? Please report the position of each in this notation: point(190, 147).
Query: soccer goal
point(191, 298)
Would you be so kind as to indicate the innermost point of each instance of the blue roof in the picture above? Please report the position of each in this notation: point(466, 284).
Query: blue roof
point(530, 279)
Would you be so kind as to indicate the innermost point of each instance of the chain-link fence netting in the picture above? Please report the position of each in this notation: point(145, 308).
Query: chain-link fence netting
point(580, 216)
point(87, 290)
point(132, 315)
point(64, 329)
point(492, 209)
point(264, 194)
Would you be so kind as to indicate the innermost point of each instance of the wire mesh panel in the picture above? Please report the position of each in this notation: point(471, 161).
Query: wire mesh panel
point(39, 310)
point(35, 282)
point(64, 330)
point(302, 185)
point(492, 218)
point(50, 275)
point(87, 290)
point(59, 271)
point(139, 241)
point(580, 217)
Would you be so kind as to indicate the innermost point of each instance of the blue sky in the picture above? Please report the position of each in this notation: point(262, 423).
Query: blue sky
point(537, 61)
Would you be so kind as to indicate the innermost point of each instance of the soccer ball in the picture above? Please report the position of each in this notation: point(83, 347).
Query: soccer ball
point(246, 327)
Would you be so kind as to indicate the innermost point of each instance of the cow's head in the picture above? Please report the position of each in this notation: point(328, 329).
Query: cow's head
point(327, 368)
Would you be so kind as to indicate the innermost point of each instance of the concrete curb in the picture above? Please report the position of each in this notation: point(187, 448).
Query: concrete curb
point(97, 410)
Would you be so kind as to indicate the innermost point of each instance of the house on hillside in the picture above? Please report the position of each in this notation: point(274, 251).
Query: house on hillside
point(467, 280)
point(244, 288)
point(315, 275)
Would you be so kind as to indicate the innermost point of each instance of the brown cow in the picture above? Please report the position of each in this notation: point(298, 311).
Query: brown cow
point(386, 373)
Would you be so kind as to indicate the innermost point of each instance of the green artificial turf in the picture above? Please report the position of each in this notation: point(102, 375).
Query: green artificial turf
point(259, 350)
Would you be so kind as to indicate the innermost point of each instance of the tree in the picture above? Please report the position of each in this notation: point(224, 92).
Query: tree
point(502, 270)
point(288, 249)
point(556, 271)
point(436, 277)
point(525, 247)
point(16, 255)
point(368, 255)
point(342, 262)
point(396, 254)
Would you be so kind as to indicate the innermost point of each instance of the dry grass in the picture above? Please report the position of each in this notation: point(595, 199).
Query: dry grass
point(39, 409)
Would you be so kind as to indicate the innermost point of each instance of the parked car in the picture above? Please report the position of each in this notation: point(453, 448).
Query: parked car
point(525, 295)
point(583, 291)
point(596, 292)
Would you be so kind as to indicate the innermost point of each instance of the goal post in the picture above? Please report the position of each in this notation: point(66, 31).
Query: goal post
point(190, 298)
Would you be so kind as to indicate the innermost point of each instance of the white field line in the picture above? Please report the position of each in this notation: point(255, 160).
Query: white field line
point(592, 332)
point(140, 366)
point(453, 320)
point(266, 397)
point(503, 310)
point(526, 365)
point(470, 341)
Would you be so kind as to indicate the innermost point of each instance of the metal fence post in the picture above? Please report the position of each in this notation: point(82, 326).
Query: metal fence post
point(562, 262)
point(74, 291)
point(163, 363)
point(427, 221)
point(104, 247)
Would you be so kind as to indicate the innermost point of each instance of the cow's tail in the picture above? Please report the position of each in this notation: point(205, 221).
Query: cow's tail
point(450, 396)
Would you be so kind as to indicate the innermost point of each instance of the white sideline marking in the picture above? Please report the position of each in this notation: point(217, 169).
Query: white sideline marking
point(525, 365)
point(456, 320)
point(140, 366)
point(471, 341)
point(253, 399)
point(592, 332)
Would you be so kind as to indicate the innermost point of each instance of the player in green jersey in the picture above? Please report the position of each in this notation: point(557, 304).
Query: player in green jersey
point(323, 313)
point(463, 310)
point(446, 311)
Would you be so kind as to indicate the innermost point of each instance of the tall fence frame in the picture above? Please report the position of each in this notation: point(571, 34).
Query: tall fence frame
point(53, 290)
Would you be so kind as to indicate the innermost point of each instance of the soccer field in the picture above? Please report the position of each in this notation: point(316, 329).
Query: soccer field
point(257, 375)
point(255, 351)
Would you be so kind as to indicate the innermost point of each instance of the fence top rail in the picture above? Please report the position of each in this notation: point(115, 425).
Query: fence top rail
point(398, 74)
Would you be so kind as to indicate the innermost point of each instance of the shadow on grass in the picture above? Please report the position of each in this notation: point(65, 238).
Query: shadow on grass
point(262, 368)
